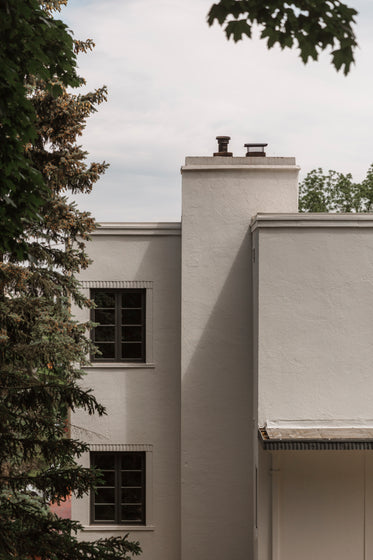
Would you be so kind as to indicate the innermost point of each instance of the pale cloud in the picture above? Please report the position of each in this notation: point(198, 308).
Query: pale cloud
point(174, 84)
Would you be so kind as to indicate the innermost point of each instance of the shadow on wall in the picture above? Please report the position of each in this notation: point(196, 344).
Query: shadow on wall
point(217, 413)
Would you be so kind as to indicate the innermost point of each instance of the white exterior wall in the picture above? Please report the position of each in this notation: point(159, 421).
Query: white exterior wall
point(315, 504)
point(313, 283)
point(322, 505)
point(142, 401)
point(315, 301)
point(220, 195)
point(242, 330)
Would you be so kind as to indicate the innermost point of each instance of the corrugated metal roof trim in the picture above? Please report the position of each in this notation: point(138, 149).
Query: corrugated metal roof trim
point(313, 445)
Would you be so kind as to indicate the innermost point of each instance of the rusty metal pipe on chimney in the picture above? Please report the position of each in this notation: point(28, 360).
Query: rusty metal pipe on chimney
point(223, 142)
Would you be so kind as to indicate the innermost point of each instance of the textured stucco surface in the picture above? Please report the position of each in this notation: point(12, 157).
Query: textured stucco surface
point(220, 196)
point(265, 324)
point(315, 325)
point(143, 404)
point(322, 505)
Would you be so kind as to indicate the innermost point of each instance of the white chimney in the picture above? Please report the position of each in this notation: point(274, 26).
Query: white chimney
point(220, 195)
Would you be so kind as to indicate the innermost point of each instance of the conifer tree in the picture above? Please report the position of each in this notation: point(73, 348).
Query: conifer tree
point(32, 43)
point(42, 347)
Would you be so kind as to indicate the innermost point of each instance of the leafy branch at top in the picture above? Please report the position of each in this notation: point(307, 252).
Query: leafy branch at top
point(310, 25)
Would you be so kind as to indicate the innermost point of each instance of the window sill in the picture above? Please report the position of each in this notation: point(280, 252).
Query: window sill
point(120, 365)
point(115, 528)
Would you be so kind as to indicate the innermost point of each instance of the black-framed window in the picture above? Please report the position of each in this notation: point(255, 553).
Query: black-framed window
point(120, 334)
point(121, 499)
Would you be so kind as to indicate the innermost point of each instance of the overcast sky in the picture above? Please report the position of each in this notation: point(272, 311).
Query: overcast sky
point(175, 84)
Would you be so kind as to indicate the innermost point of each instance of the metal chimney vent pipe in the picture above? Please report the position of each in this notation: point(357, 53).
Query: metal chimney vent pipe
point(223, 142)
point(255, 150)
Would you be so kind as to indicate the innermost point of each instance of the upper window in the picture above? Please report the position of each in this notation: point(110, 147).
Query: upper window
point(120, 334)
point(121, 498)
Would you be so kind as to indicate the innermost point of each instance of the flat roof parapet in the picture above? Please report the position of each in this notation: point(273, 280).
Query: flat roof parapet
point(312, 220)
point(197, 163)
point(137, 228)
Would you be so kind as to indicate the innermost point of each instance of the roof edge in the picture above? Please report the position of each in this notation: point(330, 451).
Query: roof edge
point(311, 220)
point(137, 228)
point(313, 444)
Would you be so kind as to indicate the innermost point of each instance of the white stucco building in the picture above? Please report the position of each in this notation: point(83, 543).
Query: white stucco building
point(237, 372)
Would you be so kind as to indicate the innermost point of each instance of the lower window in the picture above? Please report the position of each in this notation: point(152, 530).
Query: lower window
point(121, 498)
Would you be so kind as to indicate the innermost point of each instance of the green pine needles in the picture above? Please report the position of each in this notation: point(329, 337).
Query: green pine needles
point(42, 347)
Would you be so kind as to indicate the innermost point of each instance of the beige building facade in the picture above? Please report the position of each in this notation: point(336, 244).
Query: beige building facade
point(236, 369)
